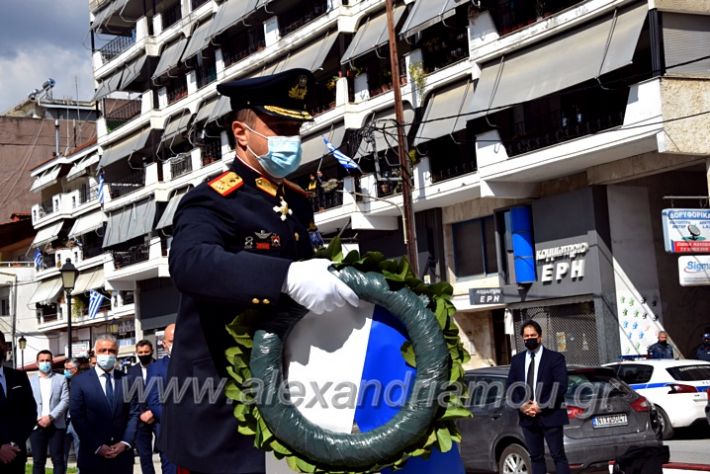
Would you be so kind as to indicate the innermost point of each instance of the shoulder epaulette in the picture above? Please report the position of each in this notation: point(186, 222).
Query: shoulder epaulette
point(296, 188)
point(226, 183)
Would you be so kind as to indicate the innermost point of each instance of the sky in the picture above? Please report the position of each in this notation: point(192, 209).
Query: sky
point(41, 39)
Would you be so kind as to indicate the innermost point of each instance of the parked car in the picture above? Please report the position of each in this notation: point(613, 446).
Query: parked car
point(677, 388)
point(606, 418)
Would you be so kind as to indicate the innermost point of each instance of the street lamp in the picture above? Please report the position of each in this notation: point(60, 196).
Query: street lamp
point(22, 342)
point(69, 274)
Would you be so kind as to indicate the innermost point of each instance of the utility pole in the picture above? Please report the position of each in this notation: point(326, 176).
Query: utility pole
point(405, 174)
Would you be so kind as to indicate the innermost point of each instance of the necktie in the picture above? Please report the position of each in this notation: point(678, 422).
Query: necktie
point(530, 380)
point(109, 389)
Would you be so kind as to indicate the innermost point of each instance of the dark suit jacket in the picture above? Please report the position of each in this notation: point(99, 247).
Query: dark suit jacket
point(136, 375)
point(550, 390)
point(158, 373)
point(18, 411)
point(229, 253)
point(98, 423)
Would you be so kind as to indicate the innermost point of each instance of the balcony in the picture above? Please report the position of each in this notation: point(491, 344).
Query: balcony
point(45, 208)
point(131, 256)
point(195, 4)
point(513, 15)
point(291, 21)
point(242, 44)
point(88, 194)
point(176, 89)
point(122, 112)
point(91, 251)
point(116, 46)
point(211, 151)
point(127, 184)
point(206, 73)
point(180, 165)
point(172, 15)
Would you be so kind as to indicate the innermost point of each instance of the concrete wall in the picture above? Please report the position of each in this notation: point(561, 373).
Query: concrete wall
point(682, 97)
point(476, 332)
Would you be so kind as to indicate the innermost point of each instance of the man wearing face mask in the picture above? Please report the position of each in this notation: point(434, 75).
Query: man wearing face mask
point(18, 414)
point(71, 368)
point(51, 394)
point(537, 383)
point(661, 349)
point(104, 418)
point(241, 241)
point(146, 423)
point(157, 382)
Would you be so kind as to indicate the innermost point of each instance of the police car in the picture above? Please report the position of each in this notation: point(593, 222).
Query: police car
point(677, 388)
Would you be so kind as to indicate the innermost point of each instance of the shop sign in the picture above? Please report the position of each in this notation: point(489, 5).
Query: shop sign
point(686, 230)
point(485, 295)
point(694, 270)
point(559, 263)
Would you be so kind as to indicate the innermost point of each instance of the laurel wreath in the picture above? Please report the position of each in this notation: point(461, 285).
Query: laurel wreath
point(266, 421)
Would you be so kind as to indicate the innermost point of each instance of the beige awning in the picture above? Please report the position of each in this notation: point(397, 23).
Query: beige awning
point(46, 235)
point(89, 280)
point(446, 112)
point(602, 46)
point(371, 35)
point(47, 178)
point(87, 223)
point(47, 291)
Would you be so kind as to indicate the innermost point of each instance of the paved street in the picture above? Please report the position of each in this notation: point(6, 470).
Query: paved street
point(691, 446)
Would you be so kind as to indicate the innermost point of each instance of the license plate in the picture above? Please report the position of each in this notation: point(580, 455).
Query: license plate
point(606, 421)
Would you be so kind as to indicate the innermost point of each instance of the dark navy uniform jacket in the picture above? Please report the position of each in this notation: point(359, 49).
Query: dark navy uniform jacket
point(231, 250)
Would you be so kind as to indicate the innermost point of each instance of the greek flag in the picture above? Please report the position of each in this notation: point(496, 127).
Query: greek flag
point(95, 299)
point(38, 259)
point(100, 190)
point(344, 160)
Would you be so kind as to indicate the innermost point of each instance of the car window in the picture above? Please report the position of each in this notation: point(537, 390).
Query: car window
point(634, 373)
point(690, 373)
point(588, 385)
point(486, 390)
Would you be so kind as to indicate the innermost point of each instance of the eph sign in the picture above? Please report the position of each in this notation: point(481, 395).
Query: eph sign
point(558, 263)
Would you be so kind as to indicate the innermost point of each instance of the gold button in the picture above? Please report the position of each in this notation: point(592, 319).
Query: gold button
point(266, 301)
point(296, 236)
point(255, 301)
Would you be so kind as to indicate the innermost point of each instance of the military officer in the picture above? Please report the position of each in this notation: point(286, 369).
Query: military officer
point(241, 241)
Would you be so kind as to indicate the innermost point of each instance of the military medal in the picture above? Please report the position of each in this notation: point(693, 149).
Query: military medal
point(283, 210)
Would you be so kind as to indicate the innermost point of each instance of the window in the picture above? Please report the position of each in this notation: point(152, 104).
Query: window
point(634, 373)
point(688, 373)
point(4, 307)
point(475, 247)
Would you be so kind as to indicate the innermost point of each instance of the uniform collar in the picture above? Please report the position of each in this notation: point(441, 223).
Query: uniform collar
point(256, 179)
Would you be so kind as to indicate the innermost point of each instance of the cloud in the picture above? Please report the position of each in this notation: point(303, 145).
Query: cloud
point(40, 39)
point(27, 71)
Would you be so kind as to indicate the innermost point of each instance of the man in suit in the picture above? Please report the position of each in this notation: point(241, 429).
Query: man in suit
point(241, 241)
point(18, 414)
point(104, 418)
point(51, 395)
point(146, 421)
point(71, 369)
point(538, 382)
point(156, 383)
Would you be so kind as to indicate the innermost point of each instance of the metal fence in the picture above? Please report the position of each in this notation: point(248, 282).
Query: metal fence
point(180, 165)
point(568, 328)
point(116, 46)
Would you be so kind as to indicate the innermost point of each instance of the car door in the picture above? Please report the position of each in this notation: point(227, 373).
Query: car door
point(491, 421)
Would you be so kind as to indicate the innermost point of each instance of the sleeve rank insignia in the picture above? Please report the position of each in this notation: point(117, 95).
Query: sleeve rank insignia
point(226, 183)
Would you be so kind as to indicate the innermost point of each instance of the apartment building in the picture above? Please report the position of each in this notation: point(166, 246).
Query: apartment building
point(560, 124)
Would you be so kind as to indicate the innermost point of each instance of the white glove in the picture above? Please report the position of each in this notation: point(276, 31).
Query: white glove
point(310, 284)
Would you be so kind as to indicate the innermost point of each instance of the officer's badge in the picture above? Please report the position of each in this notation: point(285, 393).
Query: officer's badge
point(275, 240)
point(249, 242)
point(283, 209)
point(263, 242)
point(226, 183)
point(267, 186)
point(300, 90)
point(262, 234)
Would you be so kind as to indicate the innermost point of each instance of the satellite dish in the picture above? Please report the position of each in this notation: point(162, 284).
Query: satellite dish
point(694, 231)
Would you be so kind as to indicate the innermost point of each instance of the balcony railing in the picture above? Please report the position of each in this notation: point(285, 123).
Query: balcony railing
point(127, 184)
point(91, 251)
point(135, 254)
point(453, 171)
point(48, 261)
point(88, 194)
point(180, 165)
point(328, 200)
point(116, 46)
point(232, 56)
point(568, 129)
point(211, 151)
point(177, 92)
point(125, 112)
point(46, 208)
point(302, 17)
point(197, 3)
point(512, 15)
point(172, 15)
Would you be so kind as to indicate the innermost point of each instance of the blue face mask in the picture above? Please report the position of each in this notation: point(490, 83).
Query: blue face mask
point(106, 361)
point(67, 374)
point(45, 367)
point(283, 157)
